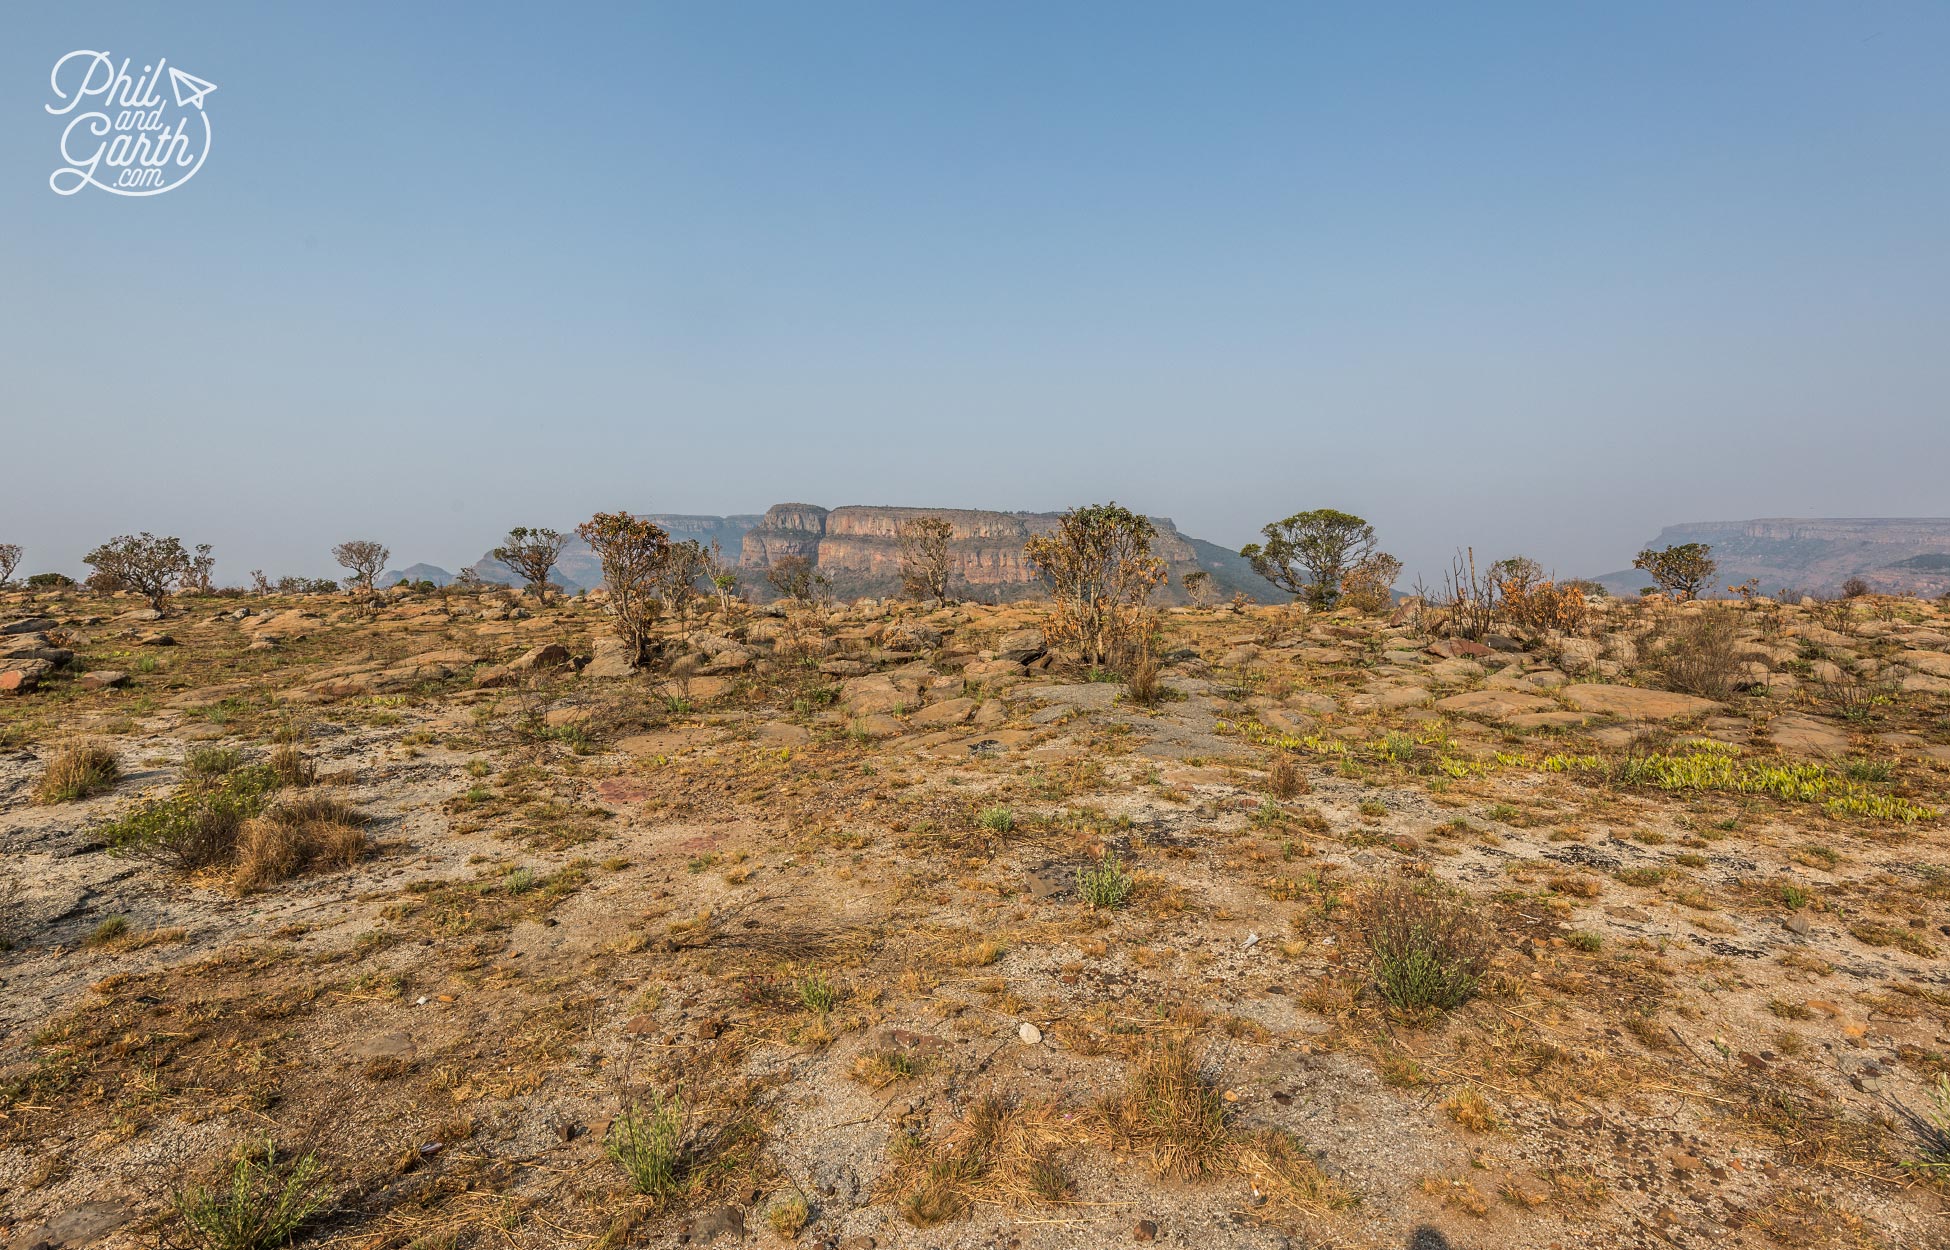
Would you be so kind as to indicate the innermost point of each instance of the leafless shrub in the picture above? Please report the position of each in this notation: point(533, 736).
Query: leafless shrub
point(1697, 653)
point(924, 557)
point(1466, 605)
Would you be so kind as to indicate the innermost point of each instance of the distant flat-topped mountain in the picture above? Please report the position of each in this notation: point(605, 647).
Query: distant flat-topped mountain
point(857, 549)
point(1908, 555)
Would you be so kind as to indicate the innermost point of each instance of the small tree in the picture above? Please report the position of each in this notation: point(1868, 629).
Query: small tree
point(9, 561)
point(723, 575)
point(532, 553)
point(1515, 575)
point(924, 557)
point(260, 584)
point(364, 558)
point(1309, 553)
point(1370, 585)
point(144, 563)
point(633, 553)
point(196, 579)
point(683, 567)
point(1198, 587)
point(1099, 567)
point(793, 577)
point(1680, 569)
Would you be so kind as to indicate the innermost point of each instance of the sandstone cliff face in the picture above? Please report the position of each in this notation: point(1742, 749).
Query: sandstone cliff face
point(858, 549)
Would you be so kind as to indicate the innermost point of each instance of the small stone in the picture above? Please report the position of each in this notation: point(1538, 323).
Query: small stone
point(1145, 1230)
point(1029, 1034)
point(1797, 925)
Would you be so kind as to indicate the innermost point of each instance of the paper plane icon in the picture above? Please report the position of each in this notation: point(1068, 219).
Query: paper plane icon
point(189, 89)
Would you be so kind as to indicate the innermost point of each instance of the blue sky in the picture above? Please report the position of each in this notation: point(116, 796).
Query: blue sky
point(1532, 277)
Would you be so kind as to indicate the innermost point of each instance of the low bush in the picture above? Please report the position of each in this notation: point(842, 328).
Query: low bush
point(1106, 885)
point(199, 825)
point(1171, 1114)
point(1429, 950)
point(261, 1206)
point(1698, 654)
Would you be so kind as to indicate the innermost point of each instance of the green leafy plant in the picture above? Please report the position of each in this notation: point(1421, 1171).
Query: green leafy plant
point(263, 1204)
point(1105, 885)
point(817, 993)
point(648, 1144)
point(1429, 952)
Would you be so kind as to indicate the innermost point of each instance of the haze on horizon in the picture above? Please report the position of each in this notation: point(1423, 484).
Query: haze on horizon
point(1535, 277)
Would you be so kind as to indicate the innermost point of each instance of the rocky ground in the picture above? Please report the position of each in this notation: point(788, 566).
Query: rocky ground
point(815, 880)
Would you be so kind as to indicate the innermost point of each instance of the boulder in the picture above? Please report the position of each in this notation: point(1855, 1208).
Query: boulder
point(1494, 704)
point(548, 655)
point(34, 647)
point(611, 659)
point(940, 715)
point(21, 676)
point(1020, 646)
point(877, 694)
point(911, 636)
point(1578, 656)
point(1935, 663)
point(32, 625)
point(730, 660)
point(1805, 735)
point(102, 679)
point(1457, 648)
point(1634, 703)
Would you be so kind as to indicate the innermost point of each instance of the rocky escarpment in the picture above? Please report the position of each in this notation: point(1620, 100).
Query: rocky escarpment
point(858, 550)
point(1907, 555)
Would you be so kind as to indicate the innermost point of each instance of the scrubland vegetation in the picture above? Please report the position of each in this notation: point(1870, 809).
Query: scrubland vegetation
point(1501, 914)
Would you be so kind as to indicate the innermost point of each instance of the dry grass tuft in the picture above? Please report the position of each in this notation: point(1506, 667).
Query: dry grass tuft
point(312, 831)
point(1278, 1166)
point(1001, 1153)
point(78, 770)
point(1170, 1114)
point(1284, 778)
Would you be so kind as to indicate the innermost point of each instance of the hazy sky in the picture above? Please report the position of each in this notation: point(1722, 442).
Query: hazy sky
point(1536, 277)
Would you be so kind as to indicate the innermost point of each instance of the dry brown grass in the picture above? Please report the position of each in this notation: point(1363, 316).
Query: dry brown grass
point(308, 832)
point(1170, 1114)
point(78, 770)
point(1284, 779)
point(1000, 1153)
